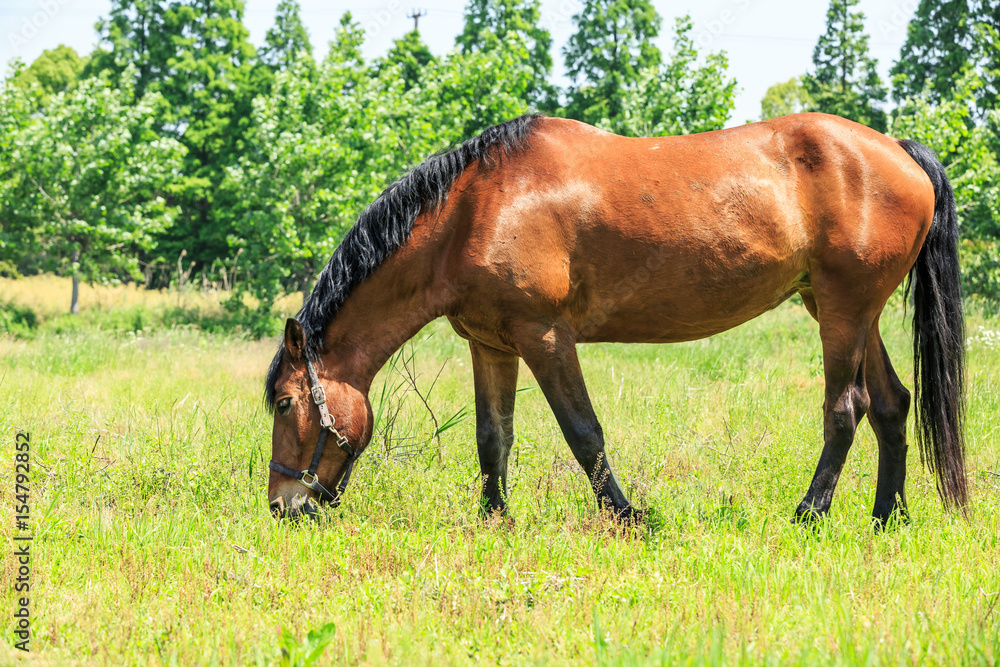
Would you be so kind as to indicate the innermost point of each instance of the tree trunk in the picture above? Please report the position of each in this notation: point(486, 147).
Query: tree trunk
point(74, 306)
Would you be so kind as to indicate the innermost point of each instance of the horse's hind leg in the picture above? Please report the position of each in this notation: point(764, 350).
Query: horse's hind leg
point(495, 375)
point(890, 403)
point(844, 342)
point(550, 353)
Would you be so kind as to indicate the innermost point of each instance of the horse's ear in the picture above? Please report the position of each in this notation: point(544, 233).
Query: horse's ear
point(295, 339)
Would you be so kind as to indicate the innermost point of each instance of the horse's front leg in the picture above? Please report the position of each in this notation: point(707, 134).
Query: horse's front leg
point(496, 386)
point(550, 352)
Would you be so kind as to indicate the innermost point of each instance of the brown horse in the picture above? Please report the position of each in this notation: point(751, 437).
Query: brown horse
point(542, 233)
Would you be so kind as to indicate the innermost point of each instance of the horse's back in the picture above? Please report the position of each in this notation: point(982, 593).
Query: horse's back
point(674, 238)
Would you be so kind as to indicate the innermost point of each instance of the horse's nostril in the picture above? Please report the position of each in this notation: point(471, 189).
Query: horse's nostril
point(311, 509)
point(278, 507)
point(301, 507)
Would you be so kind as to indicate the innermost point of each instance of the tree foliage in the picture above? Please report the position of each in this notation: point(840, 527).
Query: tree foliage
point(88, 183)
point(971, 154)
point(845, 79)
point(411, 54)
point(207, 88)
point(987, 53)
point(16, 236)
point(196, 54)
point(134, 36)
point(786, 98)
point(288, 40)
point(945, 39)
point(946, 81)
point(54, 71)
point(320, 150)
point(970, 151)
point(679, 96)
point(938, 48)
point(612, 44)
point(490, 24)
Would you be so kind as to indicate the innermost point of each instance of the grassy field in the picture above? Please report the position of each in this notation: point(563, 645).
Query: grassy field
point(153, 542)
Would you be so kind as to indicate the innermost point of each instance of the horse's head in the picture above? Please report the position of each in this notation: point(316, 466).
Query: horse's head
point(320, 426)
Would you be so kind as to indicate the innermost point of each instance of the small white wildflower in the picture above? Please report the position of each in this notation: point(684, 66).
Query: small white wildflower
point(986, 338)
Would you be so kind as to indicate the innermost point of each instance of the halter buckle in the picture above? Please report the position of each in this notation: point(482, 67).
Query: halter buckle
point(305, 476)
point(342, 442)
point(318, 394)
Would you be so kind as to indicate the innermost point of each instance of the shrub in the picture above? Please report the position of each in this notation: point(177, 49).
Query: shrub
point(19, 321)
point(980, 262)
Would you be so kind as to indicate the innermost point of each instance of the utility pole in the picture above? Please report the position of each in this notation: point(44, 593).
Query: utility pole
point(415, 15)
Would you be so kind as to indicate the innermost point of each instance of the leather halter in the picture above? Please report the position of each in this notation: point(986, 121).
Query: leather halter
point(308, 477)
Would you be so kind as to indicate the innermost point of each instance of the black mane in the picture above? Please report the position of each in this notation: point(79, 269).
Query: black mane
point(386, 225)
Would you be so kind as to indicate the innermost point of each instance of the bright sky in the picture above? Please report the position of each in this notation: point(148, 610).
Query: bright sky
point(767, 40)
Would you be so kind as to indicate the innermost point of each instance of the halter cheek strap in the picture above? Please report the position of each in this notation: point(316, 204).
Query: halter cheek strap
point(308, 477)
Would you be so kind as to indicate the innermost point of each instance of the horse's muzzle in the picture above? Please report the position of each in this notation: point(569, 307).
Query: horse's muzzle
point(301, 506)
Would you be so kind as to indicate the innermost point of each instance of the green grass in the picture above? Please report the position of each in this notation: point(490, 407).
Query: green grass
point(153, 542)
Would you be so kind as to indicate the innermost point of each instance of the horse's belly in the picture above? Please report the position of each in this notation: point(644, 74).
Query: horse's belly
point(667, 322)
point(683, 302)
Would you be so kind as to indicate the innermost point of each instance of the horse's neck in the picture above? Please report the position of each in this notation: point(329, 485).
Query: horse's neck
point(386, 310)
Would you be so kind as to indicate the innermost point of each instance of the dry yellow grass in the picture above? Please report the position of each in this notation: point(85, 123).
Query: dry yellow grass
point(49, 296)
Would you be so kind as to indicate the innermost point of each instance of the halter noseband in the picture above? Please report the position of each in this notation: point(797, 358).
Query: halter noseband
point(308, 477)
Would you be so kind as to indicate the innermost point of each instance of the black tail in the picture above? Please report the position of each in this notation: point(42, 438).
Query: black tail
point(939, 338)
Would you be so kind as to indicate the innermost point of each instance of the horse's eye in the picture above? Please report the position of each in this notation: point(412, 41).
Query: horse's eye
point(284, 405)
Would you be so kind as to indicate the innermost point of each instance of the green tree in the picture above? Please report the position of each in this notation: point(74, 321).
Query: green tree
point(15, 111)
point(288, 40)
point(464, 94)
point(679, 96)
point(938, 48)
point(90, 186)
point(209, 90)
point(54, 71)
point(196, 54)
point(613, 42)
point(301, 171)
point(411, 54)
point(970, 152)
point(943, 40)
point(321, 150)
point(785, 98)
point(16, 108)
point(134, 35)
point(487, 25)
point(968, 149)
point(845, 81)
point(987, 53)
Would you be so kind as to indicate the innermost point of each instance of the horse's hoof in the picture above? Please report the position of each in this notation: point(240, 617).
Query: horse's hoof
point(495, 516)
point(887, 521)
point(807, 517)
point(499, 520)
point(628, 515)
